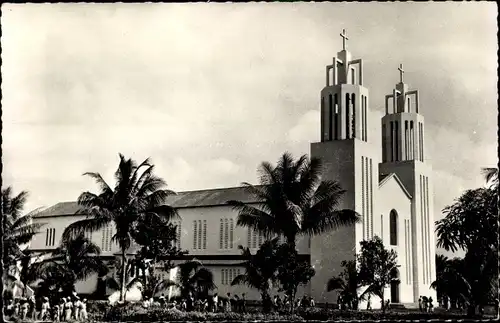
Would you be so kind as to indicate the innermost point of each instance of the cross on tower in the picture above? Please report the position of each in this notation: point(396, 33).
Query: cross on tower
point(344, 38)
point(401, 72)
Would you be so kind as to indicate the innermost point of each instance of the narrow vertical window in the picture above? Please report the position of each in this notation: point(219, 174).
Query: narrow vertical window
point(195, 234)
point(204, 234)
point(179, 234)
point(323, 119)
point(421, 220)
point(393, 227)
point(353, 119)
point(231, 233)
point(336, 120)
point(226, 233)
point(46, 237)
point(397, 140)
point(366, 118)
point(363, 117)
point(330, 117)
point(412, 143)
point(363, 196)
point(347, 116)
point(221, 233)
point(254, 238)
point(249, 238)
point(382, 227)
point(223, 281)
point(407, 144)
point(392, 140)
point(384, 143)
point(423, 157)
point(367, 199)
point(371, 199)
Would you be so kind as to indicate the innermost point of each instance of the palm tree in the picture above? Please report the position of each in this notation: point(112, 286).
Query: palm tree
point(491, 176)
point(294, 200)
point(76, 259)
point(260, 269)
point(18, 229)
point(194, 278)
point(137, 195)
point(450, 280)
point(348, 283)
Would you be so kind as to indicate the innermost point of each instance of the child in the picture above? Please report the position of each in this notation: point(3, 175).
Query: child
point(55, 314)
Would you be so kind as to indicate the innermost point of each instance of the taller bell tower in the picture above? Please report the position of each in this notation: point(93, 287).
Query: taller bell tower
point(403, 153)
point(350, 158)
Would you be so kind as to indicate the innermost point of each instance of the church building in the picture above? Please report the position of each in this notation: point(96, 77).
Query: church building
point(389, 186)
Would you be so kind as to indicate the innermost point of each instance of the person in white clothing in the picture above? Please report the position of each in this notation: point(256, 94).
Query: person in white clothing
point(76, 308)
point(83, 310)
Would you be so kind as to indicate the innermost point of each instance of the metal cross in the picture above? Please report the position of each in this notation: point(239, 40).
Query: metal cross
point(344, 38)
point(401, 72)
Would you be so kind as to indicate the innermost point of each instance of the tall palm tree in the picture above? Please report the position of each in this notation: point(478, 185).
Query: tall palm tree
point(76, 259)
point(260, 269)
point(450, 280)
point(137, 195)
point(294, 200)
point(18, 229)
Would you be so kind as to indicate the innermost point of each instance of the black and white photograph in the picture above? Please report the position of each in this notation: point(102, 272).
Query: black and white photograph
point(257, 161)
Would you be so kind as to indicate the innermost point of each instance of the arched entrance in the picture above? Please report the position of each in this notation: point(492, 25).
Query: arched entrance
point(395, 281)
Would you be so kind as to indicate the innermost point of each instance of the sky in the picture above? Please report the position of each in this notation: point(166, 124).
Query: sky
point(209, 91)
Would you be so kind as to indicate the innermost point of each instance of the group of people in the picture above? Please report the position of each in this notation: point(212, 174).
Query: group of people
point(190, 303)
point(285, 304)
point(68, 308)
point(425, 304)
point(230, 303)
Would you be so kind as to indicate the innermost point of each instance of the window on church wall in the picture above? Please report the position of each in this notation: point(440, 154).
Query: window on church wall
point(363, 196)
point(366, 117)
point(347, 116)
point(337, 116)
point(353, 118)
point(353, 76)
point(330, 117)
point(371, 199)
point(407, 141)
point(392, 140)
point(396, 125)
point(393, 228)
point(323, 119)
point(412, 140)
point(382, 227)
point(384, 143)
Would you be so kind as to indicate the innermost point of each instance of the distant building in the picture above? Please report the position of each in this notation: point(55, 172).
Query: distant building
point(394, 195)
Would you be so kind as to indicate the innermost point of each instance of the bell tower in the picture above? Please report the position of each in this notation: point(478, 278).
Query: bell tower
point(350, 158)
point(403, 153)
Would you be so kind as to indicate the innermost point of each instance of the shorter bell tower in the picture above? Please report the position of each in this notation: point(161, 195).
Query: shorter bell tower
point(403, 153)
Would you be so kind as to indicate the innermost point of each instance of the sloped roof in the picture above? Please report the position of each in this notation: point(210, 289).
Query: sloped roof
point(384, 178)
point(188, 199)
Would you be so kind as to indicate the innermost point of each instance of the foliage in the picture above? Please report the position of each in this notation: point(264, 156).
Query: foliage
point(194, 278)
point(292, 272)
point(377, 267)
point(348, 282)
point(260, 269)
point(491, 176)
point(75, 259)
point(135, 313)
point(18, 229)
point(137, 197)
point(471, 224)
point(450, 280)
point(293, 200)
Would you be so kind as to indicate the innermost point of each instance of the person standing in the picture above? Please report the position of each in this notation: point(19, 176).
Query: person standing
point(32, 308)
point(369, 303)
point(215, 301)
point(228, 303)
point(243, 303)
point(76, 308)
point(420, 305)
point(68, 306)
point(45, 309)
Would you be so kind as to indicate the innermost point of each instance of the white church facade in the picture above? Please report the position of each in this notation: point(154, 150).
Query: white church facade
point(389, 186)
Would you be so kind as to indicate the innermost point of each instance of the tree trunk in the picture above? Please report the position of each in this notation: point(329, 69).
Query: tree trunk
point(123, 287)
point(383, 302)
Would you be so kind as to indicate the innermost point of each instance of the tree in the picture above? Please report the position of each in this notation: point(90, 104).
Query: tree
point(75, 259)
point(158, 240)
point(471, 224)
point(294, 200)
point(260, 270)
point(377, 266)
point(137, 194)
point(195, 278)
point(18, 229)
point(348, 283)
point(450, 280)
point(292, 272)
